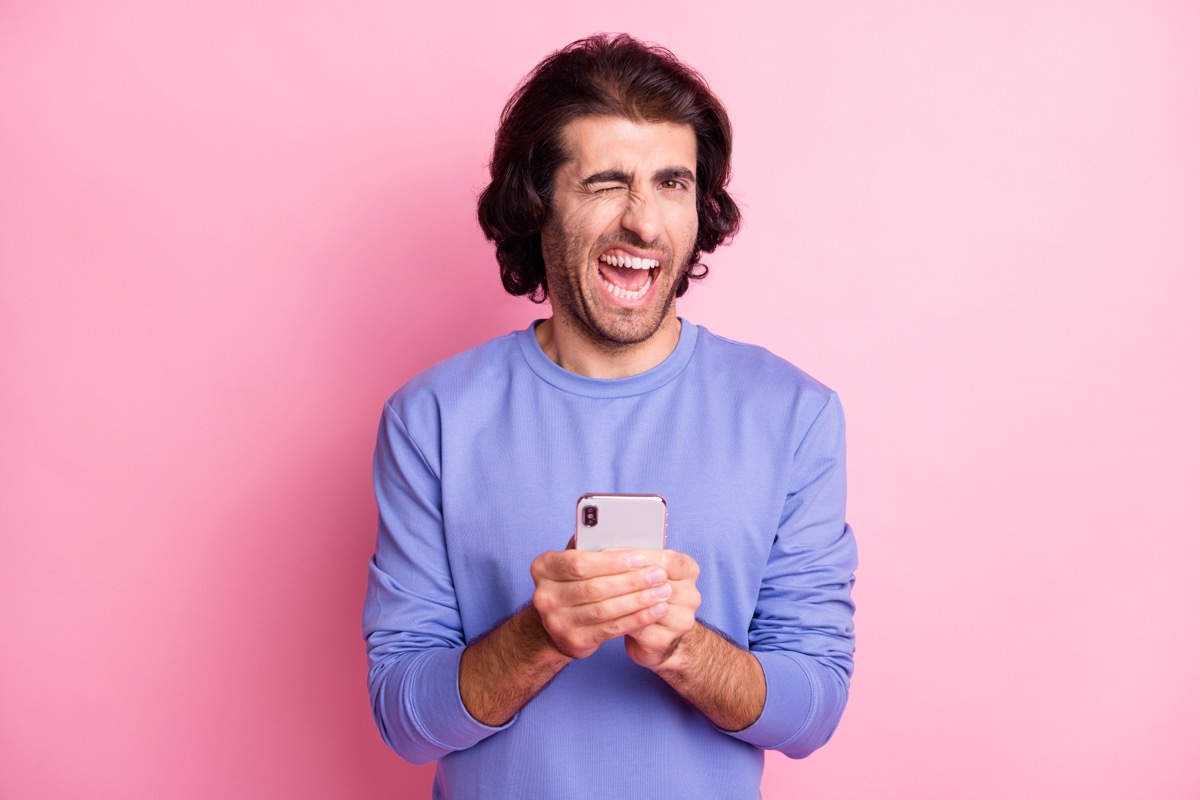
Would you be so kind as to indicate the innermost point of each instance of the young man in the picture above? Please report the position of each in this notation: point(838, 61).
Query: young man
point(535, 671)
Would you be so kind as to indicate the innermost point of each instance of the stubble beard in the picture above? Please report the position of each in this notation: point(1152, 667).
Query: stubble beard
point(606, 325)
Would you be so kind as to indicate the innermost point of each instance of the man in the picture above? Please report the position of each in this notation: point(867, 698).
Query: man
point(535, 671)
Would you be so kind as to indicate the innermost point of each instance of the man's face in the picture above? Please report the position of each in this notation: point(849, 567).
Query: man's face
point(622, 227)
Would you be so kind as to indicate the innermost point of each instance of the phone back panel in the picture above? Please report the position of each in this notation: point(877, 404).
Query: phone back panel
point(636, 521)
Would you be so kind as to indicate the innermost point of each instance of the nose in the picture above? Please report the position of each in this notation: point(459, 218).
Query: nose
point(643, 218)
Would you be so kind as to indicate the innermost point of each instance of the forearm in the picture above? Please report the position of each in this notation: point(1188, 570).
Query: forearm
point(501, 672)
point(723, 681)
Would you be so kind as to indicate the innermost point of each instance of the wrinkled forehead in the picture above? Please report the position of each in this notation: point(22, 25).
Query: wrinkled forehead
point(595, 144)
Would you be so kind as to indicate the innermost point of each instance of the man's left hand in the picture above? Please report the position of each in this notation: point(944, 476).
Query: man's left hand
point(723, 681)
point(652, 646)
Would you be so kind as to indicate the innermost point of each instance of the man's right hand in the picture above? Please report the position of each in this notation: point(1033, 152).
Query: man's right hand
point(586, 598)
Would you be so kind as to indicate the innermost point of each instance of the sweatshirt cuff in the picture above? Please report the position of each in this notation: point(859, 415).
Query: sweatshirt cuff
point(435, 705)
point(792, 696)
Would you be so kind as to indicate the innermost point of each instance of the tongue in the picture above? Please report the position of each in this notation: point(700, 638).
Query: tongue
point(625, 277)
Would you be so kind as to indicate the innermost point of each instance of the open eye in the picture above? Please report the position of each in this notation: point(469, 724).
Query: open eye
point(672, 183)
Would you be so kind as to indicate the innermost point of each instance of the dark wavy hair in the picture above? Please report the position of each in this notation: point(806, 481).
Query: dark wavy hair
point(605, 76)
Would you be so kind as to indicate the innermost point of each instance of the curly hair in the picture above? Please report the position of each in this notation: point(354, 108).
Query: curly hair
point(607, 76)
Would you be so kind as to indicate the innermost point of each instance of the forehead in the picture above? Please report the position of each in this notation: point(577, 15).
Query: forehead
point(605, 143)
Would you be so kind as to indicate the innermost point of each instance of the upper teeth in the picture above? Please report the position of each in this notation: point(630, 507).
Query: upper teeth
point(630, 262)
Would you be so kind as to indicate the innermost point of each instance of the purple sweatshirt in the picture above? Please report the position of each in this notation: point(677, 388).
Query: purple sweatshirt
point(479, 463)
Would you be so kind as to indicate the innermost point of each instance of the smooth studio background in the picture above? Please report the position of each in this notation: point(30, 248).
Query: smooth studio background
point(229, 230)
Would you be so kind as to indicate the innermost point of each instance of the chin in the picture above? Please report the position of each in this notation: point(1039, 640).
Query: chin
point(627, 326)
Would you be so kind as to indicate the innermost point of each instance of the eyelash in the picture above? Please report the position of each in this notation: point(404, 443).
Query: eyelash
point(677, 185)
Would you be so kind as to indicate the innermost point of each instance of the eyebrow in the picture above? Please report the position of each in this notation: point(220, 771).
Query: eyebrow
point(620, 176)
point(674, 173)
point(608, 176)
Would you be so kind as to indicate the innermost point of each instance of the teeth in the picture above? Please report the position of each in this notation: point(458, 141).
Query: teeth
point(625, 294)
point(630, 262)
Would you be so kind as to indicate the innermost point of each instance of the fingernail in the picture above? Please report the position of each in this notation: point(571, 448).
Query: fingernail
point(635, 560)
point(659, 610)
point(663, 591)
point(656, 575)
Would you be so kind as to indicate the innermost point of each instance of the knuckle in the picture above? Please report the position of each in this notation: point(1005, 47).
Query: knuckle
point(542, 565)
point(683, 564)
point(541, 599)
point(590, 592)
point(599, 612)
point(650, 597)
point(574, 568)
point(610, 629)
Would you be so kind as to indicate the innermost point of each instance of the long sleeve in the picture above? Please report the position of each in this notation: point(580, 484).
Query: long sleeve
point(479, 464)
point(803, 632)
point(411, 618)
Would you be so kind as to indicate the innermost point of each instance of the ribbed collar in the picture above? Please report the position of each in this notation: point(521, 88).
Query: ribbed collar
point(643, 382)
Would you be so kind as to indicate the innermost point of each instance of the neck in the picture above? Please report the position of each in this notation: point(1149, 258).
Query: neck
point(578, 353)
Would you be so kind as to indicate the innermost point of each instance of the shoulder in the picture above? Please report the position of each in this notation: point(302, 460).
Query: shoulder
point(755, 372)
point(790, 408)
point(462, 378)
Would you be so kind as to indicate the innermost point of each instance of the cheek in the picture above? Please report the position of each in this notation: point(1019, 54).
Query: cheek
point(685, 225)
point(596, 221)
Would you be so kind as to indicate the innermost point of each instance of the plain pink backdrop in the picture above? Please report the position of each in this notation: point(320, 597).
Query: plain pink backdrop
point(229, 230)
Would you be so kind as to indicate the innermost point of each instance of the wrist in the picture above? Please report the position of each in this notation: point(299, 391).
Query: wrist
point(680, 661)
point(541, 646)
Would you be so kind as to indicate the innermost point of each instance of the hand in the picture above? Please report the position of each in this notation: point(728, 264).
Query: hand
point(586, 598)
point(653, 645)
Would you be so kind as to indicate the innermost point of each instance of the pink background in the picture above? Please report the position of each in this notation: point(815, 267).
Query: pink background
point(229, 231)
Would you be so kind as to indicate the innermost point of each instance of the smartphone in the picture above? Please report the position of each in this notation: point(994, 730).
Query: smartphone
point(637, 521)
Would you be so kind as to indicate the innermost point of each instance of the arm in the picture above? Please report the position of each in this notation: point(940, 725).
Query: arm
point(505, 669)
point(430, 693)
point(788, 691)
point(802, 632)
point(723, 681)
point(411, 618)
point(580, 601)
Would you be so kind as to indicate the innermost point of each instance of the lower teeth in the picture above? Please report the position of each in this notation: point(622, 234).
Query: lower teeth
point(628, 294)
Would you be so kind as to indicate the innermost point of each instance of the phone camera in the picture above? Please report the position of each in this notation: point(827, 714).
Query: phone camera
point(590, 515)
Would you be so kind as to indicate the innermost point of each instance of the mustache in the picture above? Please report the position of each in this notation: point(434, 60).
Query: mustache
point(658, 247)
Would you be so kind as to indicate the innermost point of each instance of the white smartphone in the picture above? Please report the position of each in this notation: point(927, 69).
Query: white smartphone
point(637, 521)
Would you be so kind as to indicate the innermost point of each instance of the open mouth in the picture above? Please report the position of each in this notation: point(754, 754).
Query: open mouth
point(627, 277)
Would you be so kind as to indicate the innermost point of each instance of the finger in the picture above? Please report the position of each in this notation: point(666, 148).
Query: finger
point(579, 565)
point(618, 607)
point(680, 566)
point(664, 634)
point(597, 600)
point(653, 636)
point(685, 593)
point(579, 641)
point(652, 644)
point(678, 619)
point(604, 587)
point(627, 624)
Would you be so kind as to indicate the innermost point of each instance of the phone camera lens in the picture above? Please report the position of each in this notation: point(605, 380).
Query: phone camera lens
point(590, 515)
